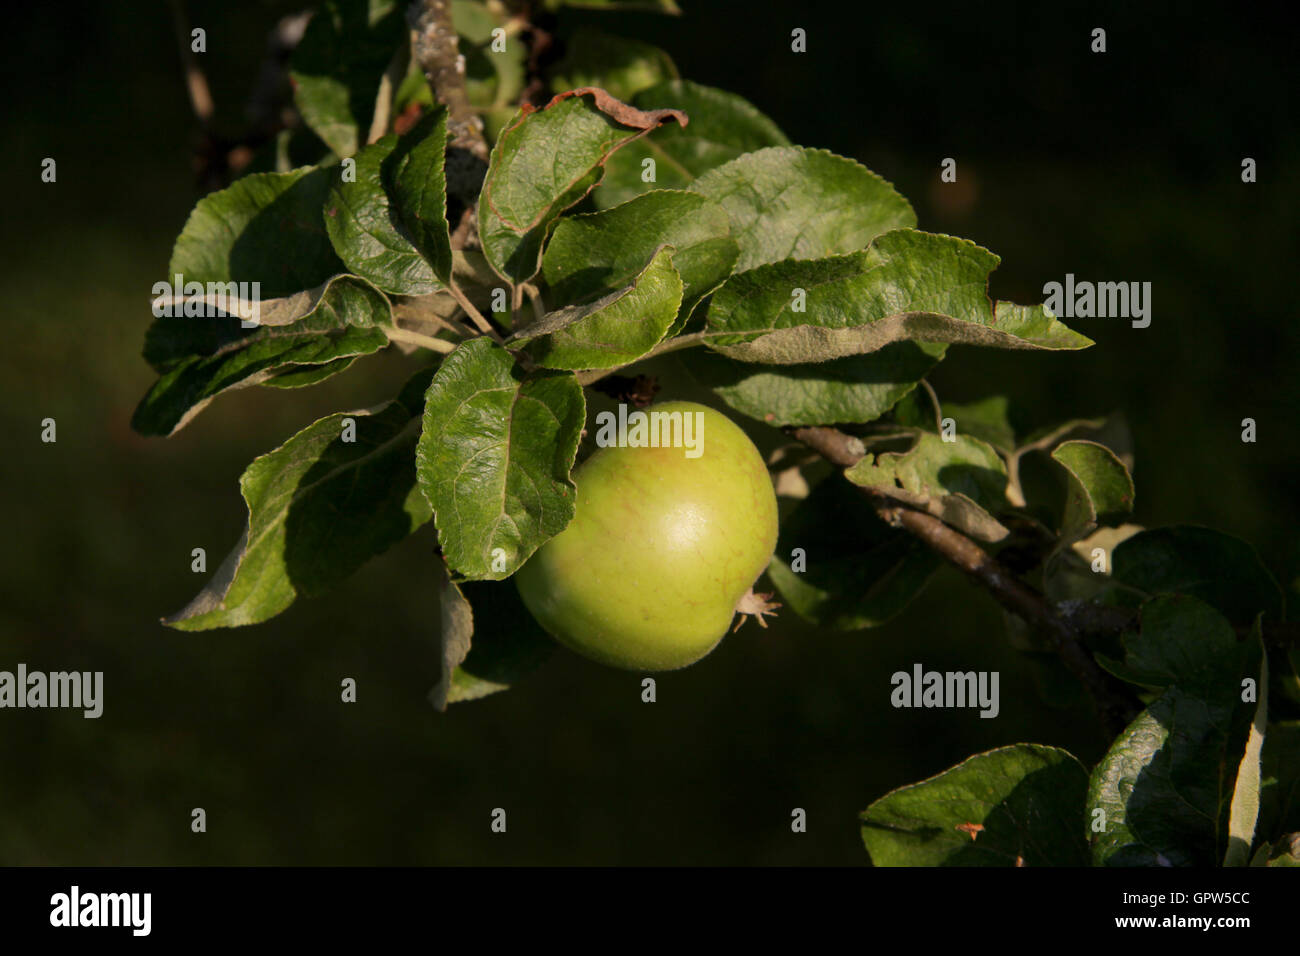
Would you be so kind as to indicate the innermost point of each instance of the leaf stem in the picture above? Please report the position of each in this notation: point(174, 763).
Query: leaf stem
point(396, 334)
point(475, 316)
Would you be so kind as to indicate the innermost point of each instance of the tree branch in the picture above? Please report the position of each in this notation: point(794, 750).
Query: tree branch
point(1115, 706)
point(434, 44)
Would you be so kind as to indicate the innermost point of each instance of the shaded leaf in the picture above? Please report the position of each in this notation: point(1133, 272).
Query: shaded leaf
point(723, 126)
point(337, 66)
point(791, 202)
point(506, 645)
point(613, 330)
point(415, 175)
point(595, 254)
point(264, 228)
point(1165, 786)
point(1279, 811)
point(318, 508)
point(621, 66)
point(859, 572)
point(1244, 812)
point(542, 164)
point(652, 6)
point(345, 322)
point(854, 389)
point(494, 458)
point(493, 78)
point(1221, 570)
point(1013, 806)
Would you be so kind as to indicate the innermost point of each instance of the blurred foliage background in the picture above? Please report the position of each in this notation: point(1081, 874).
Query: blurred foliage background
point(1122, 166)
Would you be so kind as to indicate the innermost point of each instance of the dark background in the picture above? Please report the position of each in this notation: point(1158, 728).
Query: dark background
point(1120, 166)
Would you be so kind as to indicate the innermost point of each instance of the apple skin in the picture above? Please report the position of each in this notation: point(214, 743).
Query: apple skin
point(661, 549)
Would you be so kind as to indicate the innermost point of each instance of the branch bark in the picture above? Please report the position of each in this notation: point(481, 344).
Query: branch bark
point(1113, 704)
point(434, 44)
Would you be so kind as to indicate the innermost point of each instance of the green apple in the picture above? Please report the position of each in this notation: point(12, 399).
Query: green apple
point(664, 546)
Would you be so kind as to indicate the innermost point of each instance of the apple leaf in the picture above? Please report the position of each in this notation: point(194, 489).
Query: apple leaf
point(854, 389)
point(368, 233)
point(650, 6)
point(621, 66)
point(791, 202)
point(494, 78)
point(723, 126)
point(415, 176)
point(1243, 815)
point(489, 641)
point(985, 419)
point(319, 507)
point(198, 364)
point(856, 572)
point(1162, 794)
point(962, 482)
point(1100, 487)
point(543, 163)
point(494, 458)
point(614, 329)
point(264, 228)
point(1221, 570)
point(1013, 806)
point(337, 66)
point(1279, 798)
point(596, 254)
point(907, 285)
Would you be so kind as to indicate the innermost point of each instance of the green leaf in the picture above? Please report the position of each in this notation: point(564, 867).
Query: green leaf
point(859, 572)
point(1025, 800)
point(854, 389)
point(1164, 789)
point(907, 285)
point(616, 64)
point(1221, 570)
point(1287, 852)
point(1279, 801)
point(1100, 487)
point(615, 329)
point(415, 176)
point(337, 66)
point(264, 228)
point(542, 164)
point(790, 202)
point(494, 458)
point(934, 467)
point(367, 232)
point(318, 508)
point(492, 78)
point(1244, 812)
point(963, 482)
point(651, 6)
point(197, 365)
point(722, 127)
point(985, 419)
point(596, 254)
point(506, 644)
